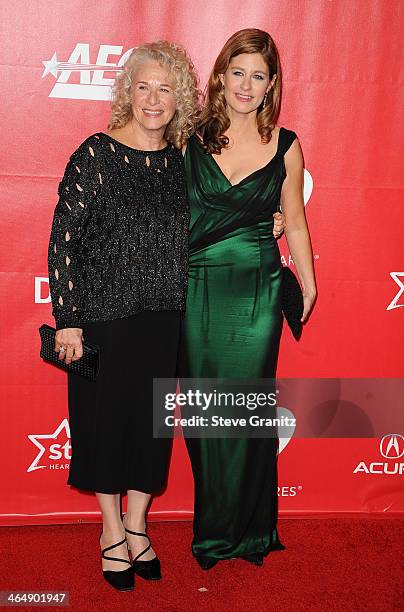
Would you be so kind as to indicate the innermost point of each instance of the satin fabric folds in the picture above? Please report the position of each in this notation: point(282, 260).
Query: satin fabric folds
point(232, 329)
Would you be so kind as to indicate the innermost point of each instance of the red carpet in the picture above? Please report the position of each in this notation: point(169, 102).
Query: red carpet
point(329, 565)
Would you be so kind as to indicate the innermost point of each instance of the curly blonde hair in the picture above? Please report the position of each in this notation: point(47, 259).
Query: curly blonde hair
point(175, 59)
point(214, 120)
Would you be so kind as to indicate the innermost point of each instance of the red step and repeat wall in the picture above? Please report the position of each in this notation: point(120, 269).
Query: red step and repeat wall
point(341, 95)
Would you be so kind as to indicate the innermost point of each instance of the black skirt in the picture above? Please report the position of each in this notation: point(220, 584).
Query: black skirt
point(111, 418)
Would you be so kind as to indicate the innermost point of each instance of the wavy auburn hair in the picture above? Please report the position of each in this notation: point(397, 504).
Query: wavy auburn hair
point(175, 59)
point(213, 120)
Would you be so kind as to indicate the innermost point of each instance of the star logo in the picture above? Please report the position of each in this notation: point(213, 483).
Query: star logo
point(395, 276)
point(55, 450)
point(51, 66)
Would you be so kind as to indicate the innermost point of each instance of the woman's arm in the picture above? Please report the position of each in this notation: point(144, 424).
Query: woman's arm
point(76, 194)
point(296, 231)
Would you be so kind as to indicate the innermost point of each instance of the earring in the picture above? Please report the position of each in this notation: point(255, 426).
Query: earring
point(265, 99)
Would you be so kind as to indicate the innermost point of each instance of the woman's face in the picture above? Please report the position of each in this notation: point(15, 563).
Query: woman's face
point(246, 81)
point(153, 99)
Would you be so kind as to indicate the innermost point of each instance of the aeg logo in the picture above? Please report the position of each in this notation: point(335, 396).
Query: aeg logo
point(55, 454)
point(91, 85)
point(392, 448)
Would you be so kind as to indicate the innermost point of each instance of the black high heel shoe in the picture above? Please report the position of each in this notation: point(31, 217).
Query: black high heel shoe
point(206, 563)
point(255, 558)
point(149, 570)
point(123, 580)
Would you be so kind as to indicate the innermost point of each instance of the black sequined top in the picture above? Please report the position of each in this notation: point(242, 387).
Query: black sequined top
point(119, 239)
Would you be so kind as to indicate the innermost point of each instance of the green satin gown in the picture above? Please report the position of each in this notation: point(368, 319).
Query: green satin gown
point(232, 328)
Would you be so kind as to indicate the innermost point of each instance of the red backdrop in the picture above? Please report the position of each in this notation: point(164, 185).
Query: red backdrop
point(341, 95)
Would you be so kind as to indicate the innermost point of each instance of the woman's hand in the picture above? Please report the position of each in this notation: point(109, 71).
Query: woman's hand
point(69, 344)
point(309, 297)
point(279, 224)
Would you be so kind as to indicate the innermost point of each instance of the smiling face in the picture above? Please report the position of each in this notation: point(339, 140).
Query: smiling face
point(246, 81)
point(153, 98)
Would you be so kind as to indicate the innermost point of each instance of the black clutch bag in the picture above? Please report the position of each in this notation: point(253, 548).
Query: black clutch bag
point(88, 365)
point(292, 301)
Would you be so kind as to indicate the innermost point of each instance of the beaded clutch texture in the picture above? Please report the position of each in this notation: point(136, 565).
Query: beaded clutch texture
point(88, 365)
point(292, 301)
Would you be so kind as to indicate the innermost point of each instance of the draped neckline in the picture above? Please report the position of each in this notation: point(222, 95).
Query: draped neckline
point(252, 174)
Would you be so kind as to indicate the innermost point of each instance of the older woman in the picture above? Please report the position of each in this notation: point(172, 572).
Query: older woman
point(118, 274)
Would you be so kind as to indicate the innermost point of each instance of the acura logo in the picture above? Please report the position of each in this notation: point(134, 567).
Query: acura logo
point(392, 446)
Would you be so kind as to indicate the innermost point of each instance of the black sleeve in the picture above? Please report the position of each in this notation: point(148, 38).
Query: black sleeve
point(77, 192)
